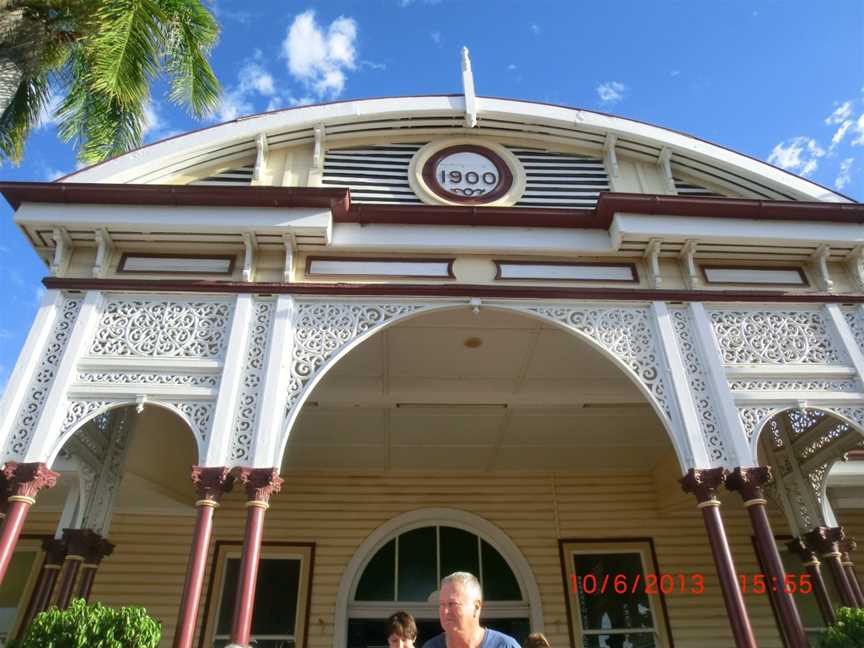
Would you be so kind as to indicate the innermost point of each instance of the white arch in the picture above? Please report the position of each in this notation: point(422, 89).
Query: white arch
point(431, 517)
point(769, 413)
point(200, 444)
point(678, 444)
point(242, 132)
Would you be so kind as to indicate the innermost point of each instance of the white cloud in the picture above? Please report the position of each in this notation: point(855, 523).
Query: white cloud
point(858, 128)
point(51, 174)
point(611, 92)
point(845, 174)
point(5, 334)
point(317, 59)
point(436, 37)
point(840, 133)
point(4, 378)
point(535, 29)
point(253, 80)
point(674, 73)
point(512, 66)
point(152, 119)
point(800, 154)
point(842, 113)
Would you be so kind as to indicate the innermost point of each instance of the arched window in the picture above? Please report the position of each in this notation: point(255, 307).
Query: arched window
point(404, 574)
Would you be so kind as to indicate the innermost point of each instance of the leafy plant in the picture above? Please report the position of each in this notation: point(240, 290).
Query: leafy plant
point(847, 632)
point(93, 626)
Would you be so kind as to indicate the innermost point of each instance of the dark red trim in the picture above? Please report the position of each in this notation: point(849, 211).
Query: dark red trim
point(393, 260)
point(505, 176)
point(338, 200)
point(231, 258)
point(449, 290)
point(587, 264)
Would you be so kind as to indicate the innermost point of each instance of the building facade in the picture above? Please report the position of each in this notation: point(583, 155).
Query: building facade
point(613, 369)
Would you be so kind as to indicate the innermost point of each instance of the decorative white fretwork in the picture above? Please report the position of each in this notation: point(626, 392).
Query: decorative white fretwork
point(249, 401)
point(627, 333)
point(774, 337)
point(825, 439)
point(753, 418)
point(198, 414)
point(171, 378)
point(796, 385)
point(855, 320)
point(28, 415)
point(698, 381)
point(160, 328)
point(801, 420)
point(321, 330)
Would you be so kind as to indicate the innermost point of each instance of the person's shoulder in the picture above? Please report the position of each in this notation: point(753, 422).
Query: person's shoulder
point(436, 642)
point(501, 640)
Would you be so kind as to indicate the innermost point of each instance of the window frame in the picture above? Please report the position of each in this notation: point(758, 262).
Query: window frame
point(644, 547)
point(225, 549)
point(28, 542)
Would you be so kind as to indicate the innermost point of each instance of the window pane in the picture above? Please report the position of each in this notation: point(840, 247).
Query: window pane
point(12, 590)
point(377, 582)
point(459, 552)
point(417, 565)
point(645, 640)
point(600, 611)
point(499, 582)
point(275, 596)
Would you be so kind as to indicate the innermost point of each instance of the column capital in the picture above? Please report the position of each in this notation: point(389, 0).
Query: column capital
point(804, 551)
point(703, 483)
point(260, 483)
point(825, 540)
point(749, 481)
point(83, 543)
point(27, 479)
point(212, 482)
point(55, 551)
point(848, 545)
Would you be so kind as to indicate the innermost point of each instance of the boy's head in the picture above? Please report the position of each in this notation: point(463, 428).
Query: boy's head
point(401, 630)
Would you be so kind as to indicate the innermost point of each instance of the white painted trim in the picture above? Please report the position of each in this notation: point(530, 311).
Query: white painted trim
point(846, 339)
point(767, 275)
point(126, 168)
point(104, 248)
point(179, 264)
point(468, 91)
point(222, 430)
point(820, 264)
point(29, 360)
point(379, 267)
point(124, 363)
point(274, 390)
point(51, 420)
point(688, 263)
point(566, 272)
point(729, 424)
point(652, 257)
point(786, 371)
point(430, 517)
point(794, 398)
point(686, 417)
point(93, 391)
point(62, 251)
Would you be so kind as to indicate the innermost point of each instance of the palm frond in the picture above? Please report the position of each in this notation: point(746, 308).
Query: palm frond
point(124, 48)
point(190, 31)
point(22, 114)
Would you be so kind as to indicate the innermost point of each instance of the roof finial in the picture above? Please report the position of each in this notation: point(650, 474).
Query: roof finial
point(468, 90)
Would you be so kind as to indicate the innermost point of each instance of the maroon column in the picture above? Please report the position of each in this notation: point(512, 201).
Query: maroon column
point(847, 547)
point(55, 552)
point(93, 557)
point(814, 568)
point(79, 544)
point(23, 482)
point(826, 541)
point(748, 483)
point(260, 484)
point(210, 483)
point(704, 484)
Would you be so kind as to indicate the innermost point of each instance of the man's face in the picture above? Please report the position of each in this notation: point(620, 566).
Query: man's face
point(458, 609)
point(395, 641)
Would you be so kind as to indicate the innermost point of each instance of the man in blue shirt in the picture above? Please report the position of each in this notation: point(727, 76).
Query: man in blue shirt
point(459, 602)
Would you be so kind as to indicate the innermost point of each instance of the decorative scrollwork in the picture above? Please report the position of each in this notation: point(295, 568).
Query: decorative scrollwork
point(149, 378)
point(774, 337)
point(322, 329)
point(698, 381)
point(179, 328)
point(855, 320)
point(829, 437)
point(248, 402)
point(199, 414)
point(77, 411)
point(752, 418)
point(789, 384)
point(43, 377)
point(627, 333)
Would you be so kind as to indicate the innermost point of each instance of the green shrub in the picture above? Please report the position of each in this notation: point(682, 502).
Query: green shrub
point(847, 632)
point(93, 626)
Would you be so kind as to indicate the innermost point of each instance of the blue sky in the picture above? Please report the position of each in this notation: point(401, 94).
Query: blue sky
point(782, 81)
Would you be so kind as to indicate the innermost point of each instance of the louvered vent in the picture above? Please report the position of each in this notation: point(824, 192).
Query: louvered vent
point(560, 180)
point(375, 174)
point(229, 178)
point(688, 189)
